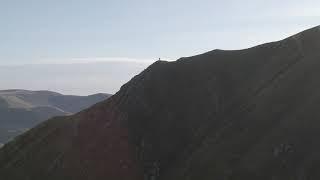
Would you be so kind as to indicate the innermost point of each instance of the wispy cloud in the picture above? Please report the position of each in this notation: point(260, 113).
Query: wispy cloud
point(81, 60)
point(80, 76)
point(85, 60)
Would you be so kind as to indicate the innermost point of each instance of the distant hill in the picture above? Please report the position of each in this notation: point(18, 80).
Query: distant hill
point(249, 114)
point(22, 109)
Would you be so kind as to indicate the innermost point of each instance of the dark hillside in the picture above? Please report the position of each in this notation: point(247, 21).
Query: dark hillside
point(233, 115)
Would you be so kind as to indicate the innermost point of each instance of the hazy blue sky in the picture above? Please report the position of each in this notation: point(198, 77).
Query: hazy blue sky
point(72, 31)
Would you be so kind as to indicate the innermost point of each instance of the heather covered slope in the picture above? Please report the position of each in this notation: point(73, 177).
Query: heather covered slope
point(236, 115)
point(21, 109)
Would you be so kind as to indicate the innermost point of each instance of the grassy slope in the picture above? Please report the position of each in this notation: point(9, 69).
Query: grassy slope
point(236, 115)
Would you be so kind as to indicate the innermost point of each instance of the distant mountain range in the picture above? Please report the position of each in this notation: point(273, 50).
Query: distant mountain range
point(21, 109)
point(249, 114)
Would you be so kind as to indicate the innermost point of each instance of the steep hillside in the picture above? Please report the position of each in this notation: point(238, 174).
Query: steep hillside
point(21, 110)
point(233, 115)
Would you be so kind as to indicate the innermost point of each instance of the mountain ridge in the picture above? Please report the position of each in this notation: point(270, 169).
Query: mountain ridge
point(246, 114)
point(22, 109)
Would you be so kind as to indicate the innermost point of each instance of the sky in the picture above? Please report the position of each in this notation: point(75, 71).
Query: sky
point(131, 33)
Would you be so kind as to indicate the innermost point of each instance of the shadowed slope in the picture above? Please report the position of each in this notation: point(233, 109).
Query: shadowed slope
point(236, 115)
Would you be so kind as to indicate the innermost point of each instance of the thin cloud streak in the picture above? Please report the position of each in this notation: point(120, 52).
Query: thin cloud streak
point(79, 78)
